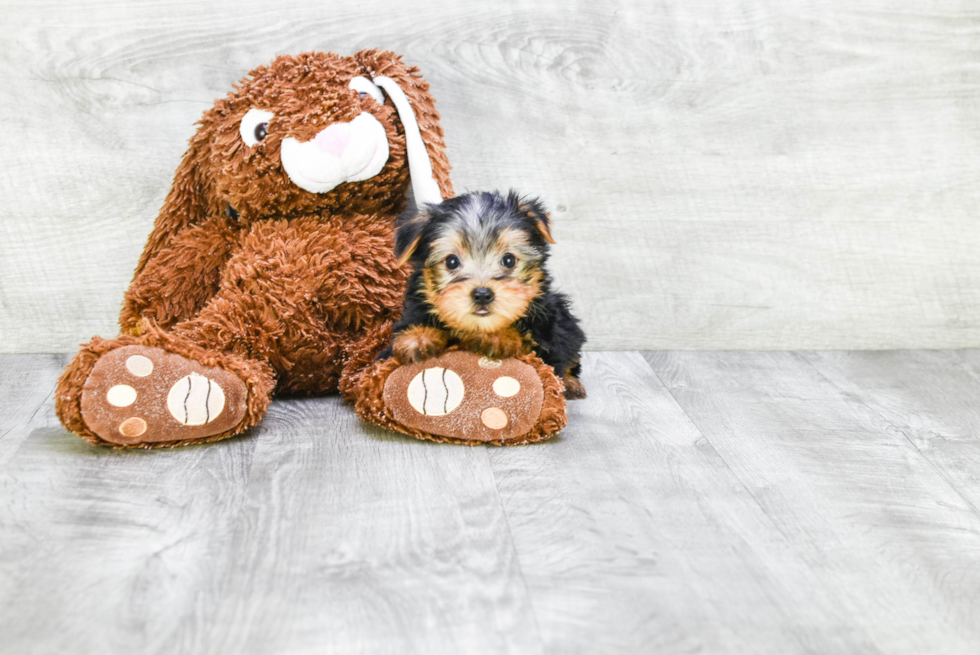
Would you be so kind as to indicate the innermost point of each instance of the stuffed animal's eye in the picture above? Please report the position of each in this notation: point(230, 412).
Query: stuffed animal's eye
point(255, 125)
point(366, 87)
point(452, 262)
point(508, 261)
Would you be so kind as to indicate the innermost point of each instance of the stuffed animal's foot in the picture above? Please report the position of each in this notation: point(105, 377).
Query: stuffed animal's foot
point(465, 398)
point(160, 390)
point(140, 394)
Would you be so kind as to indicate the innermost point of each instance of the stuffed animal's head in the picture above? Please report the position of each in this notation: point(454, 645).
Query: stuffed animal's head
point(311, 133)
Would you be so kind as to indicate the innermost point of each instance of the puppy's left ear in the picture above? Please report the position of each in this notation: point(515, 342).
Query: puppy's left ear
point(408, 234)
point(534, 210)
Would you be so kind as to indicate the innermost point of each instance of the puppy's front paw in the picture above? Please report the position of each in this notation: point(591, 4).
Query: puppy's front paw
point(574, 389)
point(419, 343)
point(496, 345)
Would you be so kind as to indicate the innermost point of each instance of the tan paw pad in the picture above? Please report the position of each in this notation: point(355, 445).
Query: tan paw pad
point(132, 427)
point(494, 418)
point(195, 400)
point(139, 365)
point(121, 395)
point(506, 386)
point(436, 391)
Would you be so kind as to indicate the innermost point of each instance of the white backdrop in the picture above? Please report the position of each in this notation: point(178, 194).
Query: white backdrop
point(757, 174)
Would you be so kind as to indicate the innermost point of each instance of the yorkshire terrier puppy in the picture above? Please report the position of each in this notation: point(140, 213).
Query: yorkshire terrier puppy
point(480, 281)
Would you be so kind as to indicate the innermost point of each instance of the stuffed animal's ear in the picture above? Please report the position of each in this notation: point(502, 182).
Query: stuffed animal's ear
point(383, 66)
point(408, 234)
point(188, 202)
point(533, 209)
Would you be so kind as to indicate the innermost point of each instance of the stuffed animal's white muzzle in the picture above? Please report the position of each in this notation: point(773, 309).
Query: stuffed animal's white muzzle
point(342, 152)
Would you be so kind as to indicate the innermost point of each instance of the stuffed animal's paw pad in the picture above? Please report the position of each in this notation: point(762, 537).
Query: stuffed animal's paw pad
point(467, 397)
point(141, 394)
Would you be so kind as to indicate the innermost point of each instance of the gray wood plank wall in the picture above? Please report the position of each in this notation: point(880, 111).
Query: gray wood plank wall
point(754, 174)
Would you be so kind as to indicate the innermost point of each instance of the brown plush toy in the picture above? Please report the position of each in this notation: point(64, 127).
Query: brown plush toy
point(271, 269)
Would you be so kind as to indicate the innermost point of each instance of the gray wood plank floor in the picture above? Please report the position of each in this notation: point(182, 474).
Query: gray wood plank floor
point(718, 502)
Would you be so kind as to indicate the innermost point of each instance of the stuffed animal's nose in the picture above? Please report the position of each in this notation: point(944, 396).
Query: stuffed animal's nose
point(334, 139)
point(482, 295)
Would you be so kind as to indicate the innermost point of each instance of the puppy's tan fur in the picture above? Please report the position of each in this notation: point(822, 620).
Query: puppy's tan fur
point(418, 343)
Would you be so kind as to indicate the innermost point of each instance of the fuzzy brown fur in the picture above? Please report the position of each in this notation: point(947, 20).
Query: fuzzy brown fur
point(244, 270)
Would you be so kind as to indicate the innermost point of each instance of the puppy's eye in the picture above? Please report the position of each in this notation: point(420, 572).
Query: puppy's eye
point(508, 261)
point(255, 125)
point(452, 262)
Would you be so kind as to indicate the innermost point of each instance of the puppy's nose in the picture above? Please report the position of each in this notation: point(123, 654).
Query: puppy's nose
point(334, 139)
point(482, 295)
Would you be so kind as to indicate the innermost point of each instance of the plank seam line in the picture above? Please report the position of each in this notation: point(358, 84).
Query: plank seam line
point(884, 418)
point(60, 360)
point(513, 545)
point(30, 420)
point(789, 542)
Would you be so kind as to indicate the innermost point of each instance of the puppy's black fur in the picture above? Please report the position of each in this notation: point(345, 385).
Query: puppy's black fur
point(477, 219)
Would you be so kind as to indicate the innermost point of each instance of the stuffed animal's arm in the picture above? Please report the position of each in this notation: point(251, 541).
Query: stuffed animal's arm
point(179, 279)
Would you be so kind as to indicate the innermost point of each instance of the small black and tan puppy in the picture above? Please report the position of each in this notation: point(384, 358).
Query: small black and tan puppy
point(480, 281)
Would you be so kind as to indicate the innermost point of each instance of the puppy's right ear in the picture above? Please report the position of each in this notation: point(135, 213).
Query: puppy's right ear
point(533, 209)
point(408, 234)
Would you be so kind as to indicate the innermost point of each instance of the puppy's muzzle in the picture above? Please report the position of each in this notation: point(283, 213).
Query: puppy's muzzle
point(342, 152)
point(482, 296)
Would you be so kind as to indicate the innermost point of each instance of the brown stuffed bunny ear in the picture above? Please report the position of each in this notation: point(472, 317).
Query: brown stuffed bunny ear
point(189, 199)
point(408, 90)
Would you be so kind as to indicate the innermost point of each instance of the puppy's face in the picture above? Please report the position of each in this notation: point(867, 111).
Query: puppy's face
point(306, 133)
point(481, 257)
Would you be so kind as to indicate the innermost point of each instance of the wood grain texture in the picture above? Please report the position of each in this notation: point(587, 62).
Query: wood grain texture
point(759, 175)
point(352, 540)
point(636, 536)
point(817, 502)
point(931, 397)
point(105, 551)
point(310, 534)
point(27, 385)
point(852, 495)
